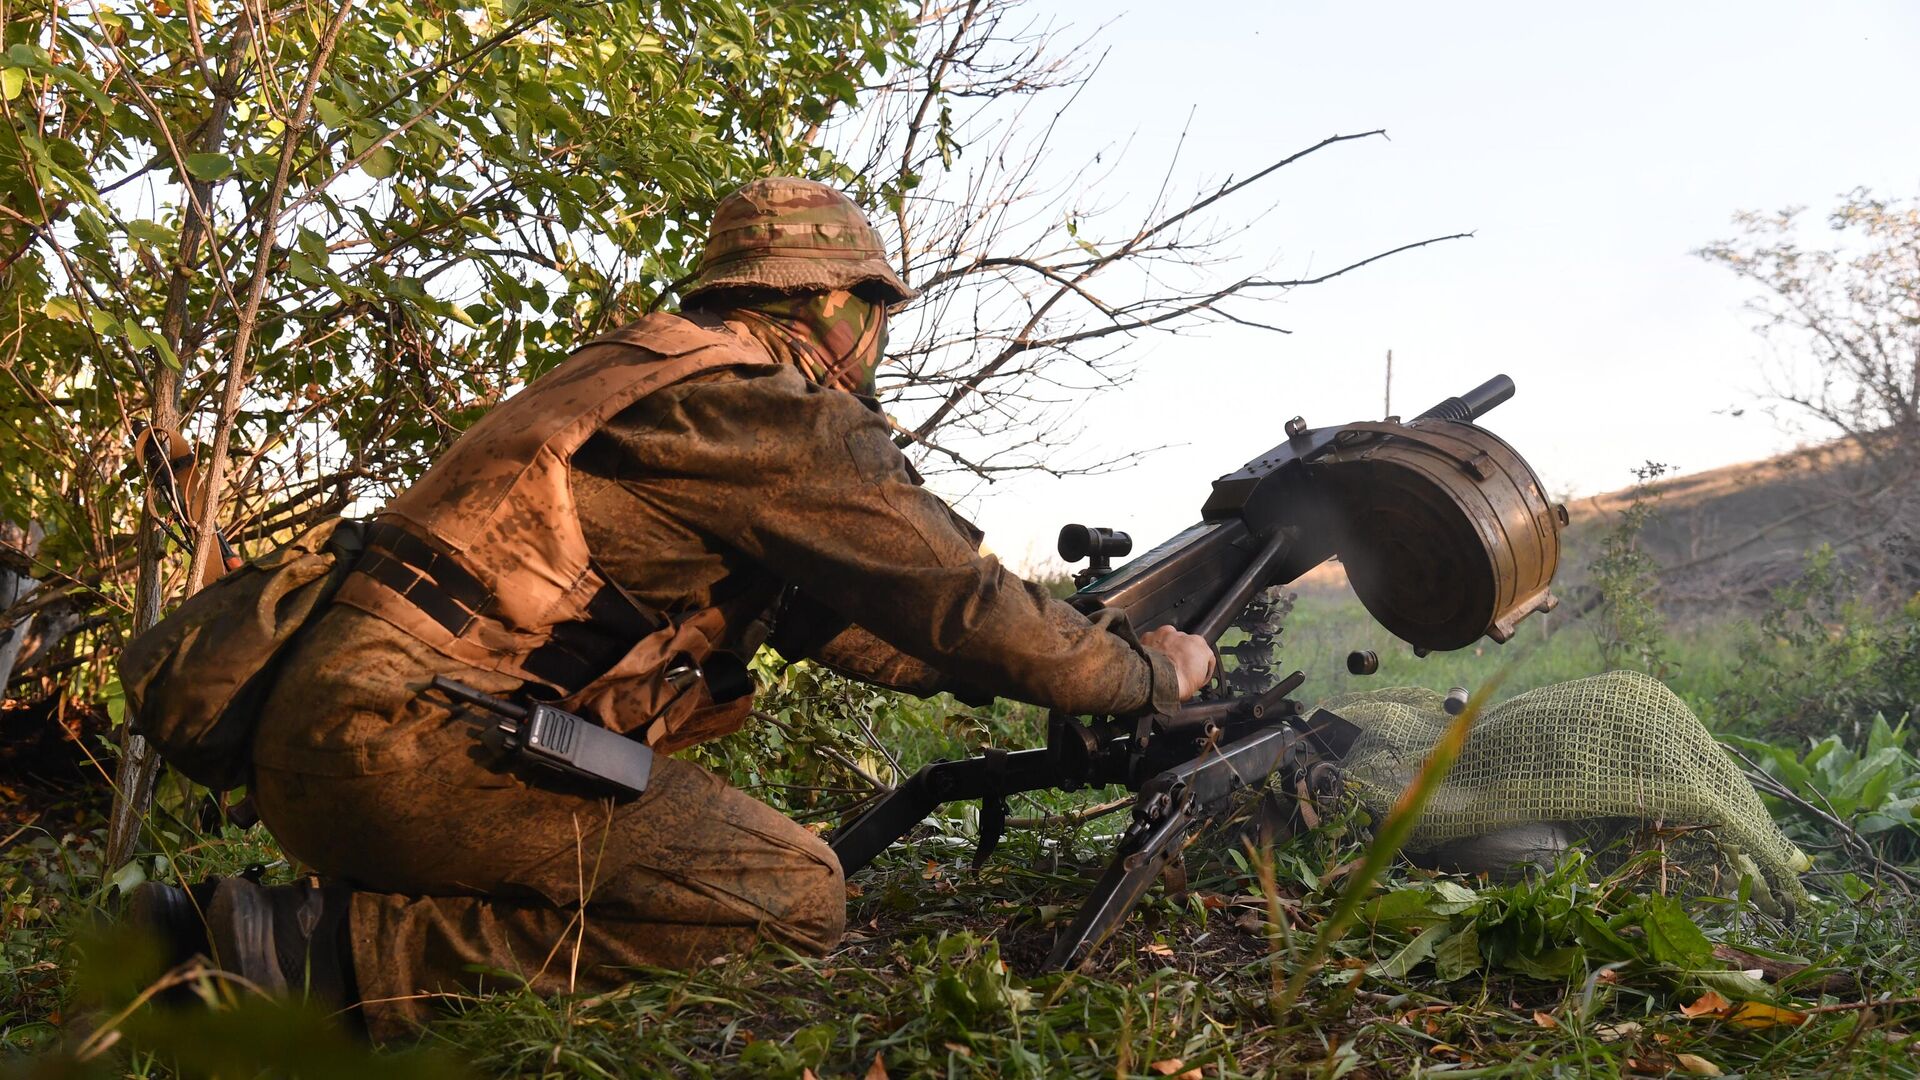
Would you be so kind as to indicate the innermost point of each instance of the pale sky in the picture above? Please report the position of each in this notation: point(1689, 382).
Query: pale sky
point(1591, 149)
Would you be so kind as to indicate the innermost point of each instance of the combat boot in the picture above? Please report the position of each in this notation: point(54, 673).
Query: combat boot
point(288, 940)
point(174, 917)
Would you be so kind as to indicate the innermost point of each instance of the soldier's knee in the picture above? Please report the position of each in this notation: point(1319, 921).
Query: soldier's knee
point(815, 914)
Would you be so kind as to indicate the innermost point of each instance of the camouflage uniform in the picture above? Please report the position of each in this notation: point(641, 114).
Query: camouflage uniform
point(742, 499)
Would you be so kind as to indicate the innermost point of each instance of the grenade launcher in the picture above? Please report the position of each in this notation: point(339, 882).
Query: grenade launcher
point(1445, 535)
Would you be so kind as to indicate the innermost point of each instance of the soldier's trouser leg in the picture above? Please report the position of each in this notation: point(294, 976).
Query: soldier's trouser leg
point(457, 866)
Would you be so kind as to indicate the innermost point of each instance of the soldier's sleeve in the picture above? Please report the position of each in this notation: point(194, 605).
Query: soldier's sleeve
point(805, 629)
point(807, 482)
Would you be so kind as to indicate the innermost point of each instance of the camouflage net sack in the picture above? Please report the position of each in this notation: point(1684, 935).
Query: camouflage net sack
point(1600, 757)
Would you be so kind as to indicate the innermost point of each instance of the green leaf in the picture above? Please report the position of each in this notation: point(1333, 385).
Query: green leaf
point(1672, 937)
point(1412, 953)
point(1735, 985)
point(87, 87)
point(1452, 898)
point(1458, 956)
point(1881, 737)
point(1877, 786)
point(116, 696)
point(1820, 750)
point(1795, 774)
point(1551, 965)
point(1600, 940)
point(129, 877)
point(330, 114)
point(209, 166)
point(149, 231)
point(1403, 907)
point(381, 164)
point(12, 81)
point(64, 308)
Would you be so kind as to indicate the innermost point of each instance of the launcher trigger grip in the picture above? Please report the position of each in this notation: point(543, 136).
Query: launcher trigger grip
point(993, 823)
point(993, 812)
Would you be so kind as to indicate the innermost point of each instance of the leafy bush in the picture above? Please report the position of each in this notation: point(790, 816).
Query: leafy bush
point(1875, 789)
point(1823, 661)
point(1554, 927)
point(819, 744)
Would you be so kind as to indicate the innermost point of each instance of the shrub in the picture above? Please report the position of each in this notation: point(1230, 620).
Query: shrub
point(1825, 661)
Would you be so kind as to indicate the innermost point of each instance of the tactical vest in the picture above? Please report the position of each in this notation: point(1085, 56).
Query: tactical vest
point(484, 559)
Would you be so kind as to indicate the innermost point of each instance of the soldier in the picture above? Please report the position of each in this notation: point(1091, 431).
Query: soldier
point(673, 496)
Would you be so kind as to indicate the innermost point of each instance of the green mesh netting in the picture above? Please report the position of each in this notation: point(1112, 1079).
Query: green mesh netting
point(1611, 748)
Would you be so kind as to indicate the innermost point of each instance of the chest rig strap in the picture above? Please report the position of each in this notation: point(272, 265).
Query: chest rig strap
point(434, 583)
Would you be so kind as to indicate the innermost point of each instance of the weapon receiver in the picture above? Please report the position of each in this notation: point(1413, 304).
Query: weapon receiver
point(1446, 535)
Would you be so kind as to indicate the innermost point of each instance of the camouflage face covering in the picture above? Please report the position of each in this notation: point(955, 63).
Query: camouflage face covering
point(837, 338)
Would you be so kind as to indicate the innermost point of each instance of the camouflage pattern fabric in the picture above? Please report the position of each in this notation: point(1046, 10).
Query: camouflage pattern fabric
point(1601, 751)
point(834, 338)
point(793, 235)
point(744, 480)
point(467, 866)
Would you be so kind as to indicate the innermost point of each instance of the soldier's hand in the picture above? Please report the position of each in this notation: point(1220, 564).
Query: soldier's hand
point(1191, 655)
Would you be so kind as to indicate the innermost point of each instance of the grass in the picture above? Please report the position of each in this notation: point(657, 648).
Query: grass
point(1579, 972)
point(1326, 626)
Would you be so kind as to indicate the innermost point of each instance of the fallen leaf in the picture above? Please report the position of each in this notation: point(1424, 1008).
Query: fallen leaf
point(1758, 1014)
point(932, 872)
point(1212, 901)
point(1616, 1032)
point(1752, 1015)
point(877, 1070)
point(1406, 1019)
point(1168, 1067)
point(854, 891)
point(1154, 948)
point(959, 1048)
point(1545, 1020)
point(807, 1074)
point(1697, 1065)
point(1339, 872)
point(1710, 1004)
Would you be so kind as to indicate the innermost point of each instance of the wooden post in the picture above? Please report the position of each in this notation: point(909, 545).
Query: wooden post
point(1388, 407)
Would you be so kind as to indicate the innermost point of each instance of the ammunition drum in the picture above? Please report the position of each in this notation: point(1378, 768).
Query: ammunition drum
point(1444, 530)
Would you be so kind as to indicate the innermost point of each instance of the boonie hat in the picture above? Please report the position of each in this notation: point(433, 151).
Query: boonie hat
point(793, 235)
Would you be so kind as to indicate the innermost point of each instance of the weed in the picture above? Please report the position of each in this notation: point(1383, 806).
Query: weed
point(1628, 622)
point(1823, 660)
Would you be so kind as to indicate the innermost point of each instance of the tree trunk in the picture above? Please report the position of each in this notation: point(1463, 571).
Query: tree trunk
point(139, 763)
point(15, 585)
point(13, 589)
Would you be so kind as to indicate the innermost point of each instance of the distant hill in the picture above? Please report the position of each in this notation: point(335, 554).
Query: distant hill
point(1730, 536)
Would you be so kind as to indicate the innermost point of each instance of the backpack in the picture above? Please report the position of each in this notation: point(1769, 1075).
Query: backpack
point(195, 681)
